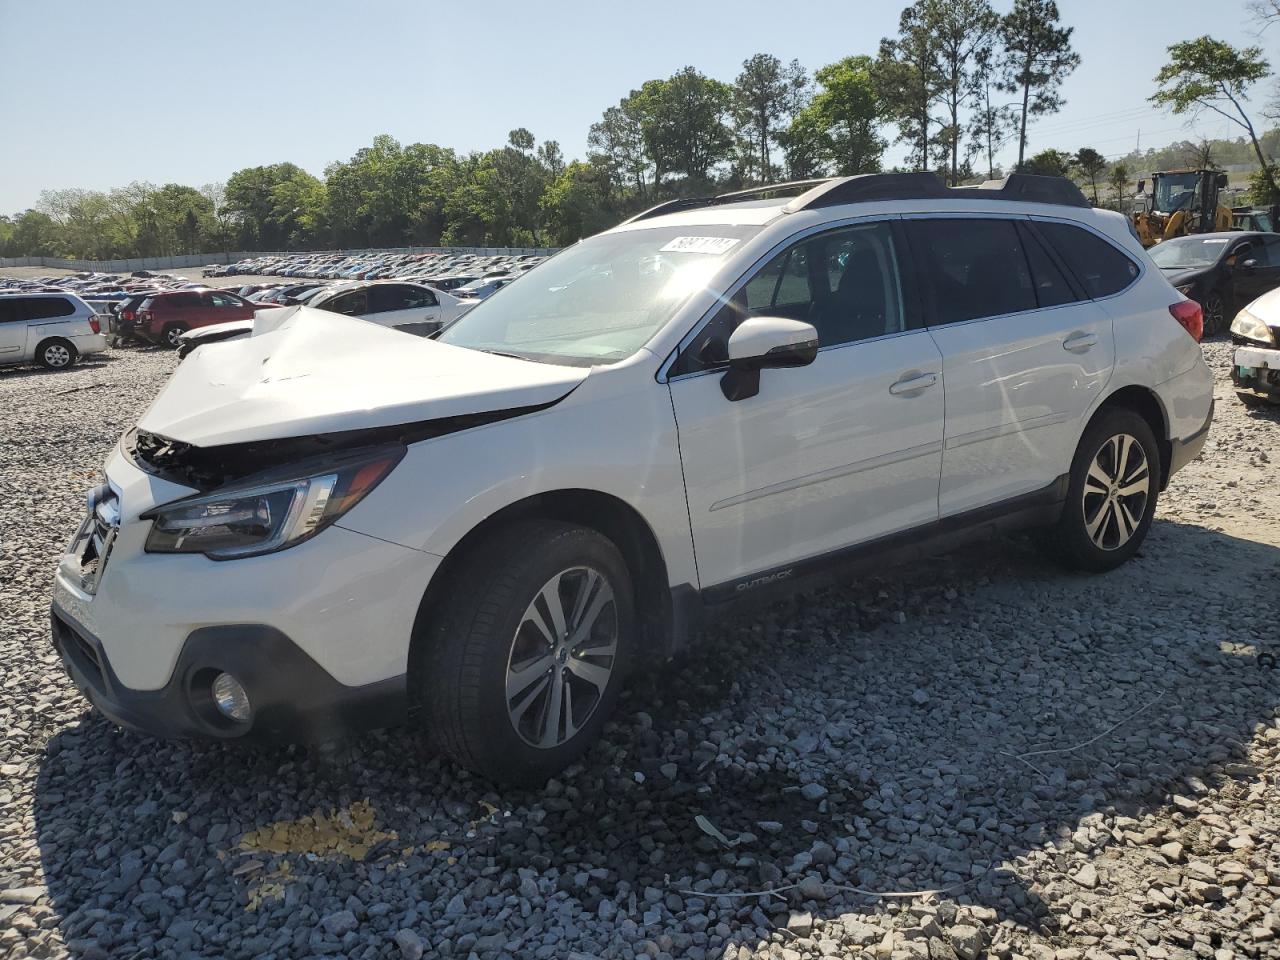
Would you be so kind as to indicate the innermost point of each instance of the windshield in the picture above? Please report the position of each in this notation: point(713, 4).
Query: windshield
point(1175, 191)
point(1185, 252)
point(601, 300)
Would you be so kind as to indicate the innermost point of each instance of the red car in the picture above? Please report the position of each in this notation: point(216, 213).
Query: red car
point(165, 317)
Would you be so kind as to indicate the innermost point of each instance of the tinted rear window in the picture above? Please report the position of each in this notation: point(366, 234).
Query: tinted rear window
point(177, 301)
point(1100, 267)
point(17, 309)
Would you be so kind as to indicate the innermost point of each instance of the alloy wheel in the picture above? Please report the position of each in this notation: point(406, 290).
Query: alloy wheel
point(1116, 489)
point(562, 657)
point(1215, 313)
point(56, 355)
point(174, 336)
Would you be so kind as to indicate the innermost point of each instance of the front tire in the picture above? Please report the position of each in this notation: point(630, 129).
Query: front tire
point(1111, 498)
point(56, 354)
point(517, 672)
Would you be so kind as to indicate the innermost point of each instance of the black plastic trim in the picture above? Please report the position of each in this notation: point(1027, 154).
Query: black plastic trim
point(1038, 508)
point(293, 698)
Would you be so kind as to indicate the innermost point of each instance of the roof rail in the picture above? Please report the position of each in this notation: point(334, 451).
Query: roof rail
point(670, 206)
point(736, 196)
point(868, 187)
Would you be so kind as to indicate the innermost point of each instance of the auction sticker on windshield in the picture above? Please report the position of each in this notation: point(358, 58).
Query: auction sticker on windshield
point(712, 245)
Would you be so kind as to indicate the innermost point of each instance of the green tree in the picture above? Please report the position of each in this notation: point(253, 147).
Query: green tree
point(766, 95)
point(1208, 74)
point(1118, 179)
point(963, 31)
point(684, 127)
point(617, 143)
point(837, 131)
point(908, 82)
point(1048, 163)
point(1037, 58)
point(1091, 164)
point(277, 207)
point(578, 203)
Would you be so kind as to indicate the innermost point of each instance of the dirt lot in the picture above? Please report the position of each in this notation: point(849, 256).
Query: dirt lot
point(1081, 767)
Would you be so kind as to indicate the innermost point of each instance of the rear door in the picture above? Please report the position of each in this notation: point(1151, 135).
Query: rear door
point(1024, 354)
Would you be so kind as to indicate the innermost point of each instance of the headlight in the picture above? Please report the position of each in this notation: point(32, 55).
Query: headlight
point(1252, 328)
point(271, 511)
point(1186, 289)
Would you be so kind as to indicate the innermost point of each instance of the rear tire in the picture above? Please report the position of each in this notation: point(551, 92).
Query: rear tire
point(173, 332)
point(1111, 498)
point(506, 682)
point(56, 354)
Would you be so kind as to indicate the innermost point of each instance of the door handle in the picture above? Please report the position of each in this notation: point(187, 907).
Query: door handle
point(913, 384)
point(1080, 342)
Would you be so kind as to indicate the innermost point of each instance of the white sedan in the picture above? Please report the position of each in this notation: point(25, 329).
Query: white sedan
point(1255, 367)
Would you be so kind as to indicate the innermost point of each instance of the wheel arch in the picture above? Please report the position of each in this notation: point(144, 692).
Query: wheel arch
point(1147, 404)
point(55, 338)
point(606, 514)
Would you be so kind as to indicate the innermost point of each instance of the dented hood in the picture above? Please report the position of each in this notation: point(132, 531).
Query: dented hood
point(309, 371)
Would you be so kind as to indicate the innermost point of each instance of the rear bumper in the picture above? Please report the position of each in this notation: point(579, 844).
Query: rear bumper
point(90, 343)
point(293, 698)
point(1183, 451)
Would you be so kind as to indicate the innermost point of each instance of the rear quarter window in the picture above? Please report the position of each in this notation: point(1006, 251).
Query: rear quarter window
point(44, 308)
point(1100, 267)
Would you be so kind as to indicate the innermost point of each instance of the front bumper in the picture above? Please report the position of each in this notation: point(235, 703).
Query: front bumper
point(292, 697)
point(1256, 370)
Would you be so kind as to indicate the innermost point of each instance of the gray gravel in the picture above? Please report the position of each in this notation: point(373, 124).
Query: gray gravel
point(1087, 767)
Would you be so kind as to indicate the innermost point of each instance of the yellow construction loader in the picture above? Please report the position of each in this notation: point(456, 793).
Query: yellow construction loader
point(1181, 202)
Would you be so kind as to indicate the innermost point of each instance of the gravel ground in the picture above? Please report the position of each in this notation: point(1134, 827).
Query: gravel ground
point(1082, 767)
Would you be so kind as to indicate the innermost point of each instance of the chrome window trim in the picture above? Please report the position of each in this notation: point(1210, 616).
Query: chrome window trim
point(663, 374)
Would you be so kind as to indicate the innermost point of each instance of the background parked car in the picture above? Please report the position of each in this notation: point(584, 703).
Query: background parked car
point(411, 307)
point(1221, 271)
point(53, 329)
point(165, 317)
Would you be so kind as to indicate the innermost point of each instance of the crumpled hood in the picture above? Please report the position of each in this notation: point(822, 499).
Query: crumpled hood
point(307, 371)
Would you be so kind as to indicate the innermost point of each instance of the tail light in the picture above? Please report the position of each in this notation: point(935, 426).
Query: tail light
point(94, 325)
point(1191, 316)
point(126, 315)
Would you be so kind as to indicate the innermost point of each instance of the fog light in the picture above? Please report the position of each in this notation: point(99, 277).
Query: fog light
point(230, 697)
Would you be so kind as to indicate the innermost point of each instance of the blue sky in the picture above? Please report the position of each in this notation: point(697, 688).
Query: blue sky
point(96, 95)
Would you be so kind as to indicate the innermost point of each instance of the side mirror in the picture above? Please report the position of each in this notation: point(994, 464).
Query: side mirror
point(1222, 180)
point(763, 342)
point(1249, 265)
point(1142, 186)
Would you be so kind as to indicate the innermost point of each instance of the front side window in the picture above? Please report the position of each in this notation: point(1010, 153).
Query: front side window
point(1099, 266)
point(845, 283)
point(353, 304)
point(977, 268)
point(600, 300)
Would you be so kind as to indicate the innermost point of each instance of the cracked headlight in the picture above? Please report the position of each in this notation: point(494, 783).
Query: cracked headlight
point(267, 513)
point(1252, 328)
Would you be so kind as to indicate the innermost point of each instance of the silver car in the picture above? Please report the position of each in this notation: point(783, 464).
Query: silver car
point(52, 329)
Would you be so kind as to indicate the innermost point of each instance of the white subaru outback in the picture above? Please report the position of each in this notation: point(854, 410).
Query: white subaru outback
point(329, 525)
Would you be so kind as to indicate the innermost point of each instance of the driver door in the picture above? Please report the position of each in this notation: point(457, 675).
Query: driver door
point(826, 456)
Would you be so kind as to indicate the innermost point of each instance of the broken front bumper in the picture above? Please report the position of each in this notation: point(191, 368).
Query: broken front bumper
point(291, 696)
point(1256, 370)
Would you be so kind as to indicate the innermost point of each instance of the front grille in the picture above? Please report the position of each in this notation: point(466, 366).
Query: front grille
point(104, 522)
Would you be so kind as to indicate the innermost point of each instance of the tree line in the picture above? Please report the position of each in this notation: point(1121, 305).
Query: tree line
point(955, 86)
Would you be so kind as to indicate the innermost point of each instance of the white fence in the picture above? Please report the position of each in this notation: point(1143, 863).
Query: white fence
point(203, 259)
